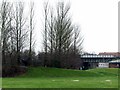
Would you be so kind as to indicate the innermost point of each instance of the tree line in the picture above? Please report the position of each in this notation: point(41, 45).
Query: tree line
point(62, 40)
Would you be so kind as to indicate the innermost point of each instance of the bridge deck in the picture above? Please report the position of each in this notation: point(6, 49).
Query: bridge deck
point(97, 58)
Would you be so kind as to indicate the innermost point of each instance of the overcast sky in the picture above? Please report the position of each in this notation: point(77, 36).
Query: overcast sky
point(98, 20)
point(99, 24)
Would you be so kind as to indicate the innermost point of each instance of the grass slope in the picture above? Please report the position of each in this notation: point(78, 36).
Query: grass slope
point(38, 77)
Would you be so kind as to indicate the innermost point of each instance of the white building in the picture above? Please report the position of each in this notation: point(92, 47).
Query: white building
point(103, 65)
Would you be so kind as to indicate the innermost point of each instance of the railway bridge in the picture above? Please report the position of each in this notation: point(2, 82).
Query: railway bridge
point(93, 60)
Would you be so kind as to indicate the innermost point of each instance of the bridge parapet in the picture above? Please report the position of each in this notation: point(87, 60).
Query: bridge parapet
point(97, 56)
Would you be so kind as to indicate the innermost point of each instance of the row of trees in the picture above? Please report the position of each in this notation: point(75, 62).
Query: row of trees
point(15, 33)
point(62, 41)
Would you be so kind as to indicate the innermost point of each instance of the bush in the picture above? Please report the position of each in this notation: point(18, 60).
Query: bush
point(11, 71)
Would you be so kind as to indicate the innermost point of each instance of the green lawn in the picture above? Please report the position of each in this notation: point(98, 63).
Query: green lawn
point(61, 78)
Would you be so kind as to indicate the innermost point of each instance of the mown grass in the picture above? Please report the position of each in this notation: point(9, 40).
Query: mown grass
point(39, 77)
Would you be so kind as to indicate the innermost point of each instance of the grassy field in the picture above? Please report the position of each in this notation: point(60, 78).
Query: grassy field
point(61, 78)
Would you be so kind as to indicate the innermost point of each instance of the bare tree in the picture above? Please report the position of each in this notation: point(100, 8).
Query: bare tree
point(20, 31)
point(51, 22)
point(63, 29)
point(77, 40)
point(31, 24)
point(45, 31)
point(4, 27)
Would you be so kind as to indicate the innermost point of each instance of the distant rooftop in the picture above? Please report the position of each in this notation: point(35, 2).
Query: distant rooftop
point(117, 54)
